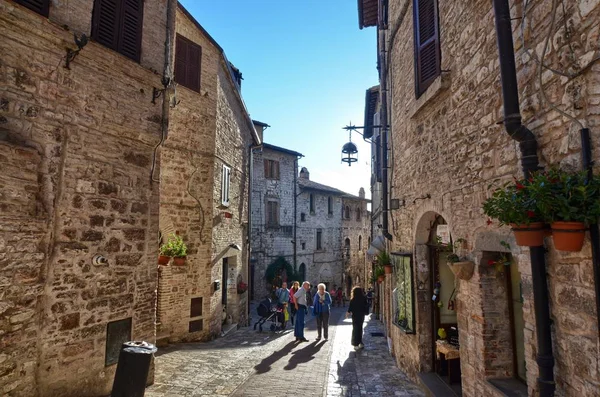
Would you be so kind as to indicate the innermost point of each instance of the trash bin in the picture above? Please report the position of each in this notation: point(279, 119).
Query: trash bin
point(132, 369)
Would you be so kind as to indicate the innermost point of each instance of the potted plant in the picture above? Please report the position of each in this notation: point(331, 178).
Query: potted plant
point(242, 287)
point(462, 268)
point(569, 202)
point(383, 259)
point(379, 273)
point(502, 261)
point(162, 258)
point(513, 204)
point(176, 248)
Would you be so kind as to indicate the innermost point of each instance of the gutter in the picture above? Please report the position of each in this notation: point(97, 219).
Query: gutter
point(529, 163)
point(384, 146)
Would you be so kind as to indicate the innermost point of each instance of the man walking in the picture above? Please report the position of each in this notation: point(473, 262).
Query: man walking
point(302, 302)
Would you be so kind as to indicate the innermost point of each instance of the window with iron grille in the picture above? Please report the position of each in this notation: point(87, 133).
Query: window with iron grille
point(40, 6)
point(427, 44)
point(117, 24)
point(271, 169)
point(272, 214)
point(188, 60)
point(225, 184)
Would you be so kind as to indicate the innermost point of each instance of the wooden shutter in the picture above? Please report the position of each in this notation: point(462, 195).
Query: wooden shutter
point(427, 44)
point(267, 169)
point(117, 24)
point(40, 6)
point(181, 60)
point(276, 166)
point(187, 63)
point(130, 37)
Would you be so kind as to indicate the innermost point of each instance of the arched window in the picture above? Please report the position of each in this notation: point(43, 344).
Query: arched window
point(360, 243)
point(302, 273)
point(347, 212)
point(358, 214)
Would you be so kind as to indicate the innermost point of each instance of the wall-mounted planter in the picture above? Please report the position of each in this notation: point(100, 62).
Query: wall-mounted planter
point(531, 235)
point(163, 260)
point(380, 279)
point(462, 270)
point(387, 269)
point(179, 260)
point(568, 236)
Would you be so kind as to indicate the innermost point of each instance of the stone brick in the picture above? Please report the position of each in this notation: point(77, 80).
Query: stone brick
point(69, 321)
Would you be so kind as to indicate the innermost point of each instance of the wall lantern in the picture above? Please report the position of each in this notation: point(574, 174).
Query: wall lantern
point(349, 150)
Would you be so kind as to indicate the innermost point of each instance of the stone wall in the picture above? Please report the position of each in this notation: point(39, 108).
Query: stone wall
point(204, 128)
point(269, 243)
point(448, 144)
point(78, 147)
point(357, 230)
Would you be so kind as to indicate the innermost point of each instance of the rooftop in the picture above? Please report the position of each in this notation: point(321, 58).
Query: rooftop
point(367, 13)
point(283, 150)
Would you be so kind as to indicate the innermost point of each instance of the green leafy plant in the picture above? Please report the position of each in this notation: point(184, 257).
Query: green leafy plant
point(378, 271)
point(279, 268)
point(174, 247)
point(383, 258)
point(564, 196)
point(513, 203)
point(503, 260)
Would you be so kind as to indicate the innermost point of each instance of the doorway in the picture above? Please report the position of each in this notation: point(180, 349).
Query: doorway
point(515, 307)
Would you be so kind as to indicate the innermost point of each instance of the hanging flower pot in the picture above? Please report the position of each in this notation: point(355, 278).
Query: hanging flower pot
point(388, 269)
point(380, 279)
point(179, 260)
point(531, 235)
point(462, 270)
point(163, 260)
point(568, 236)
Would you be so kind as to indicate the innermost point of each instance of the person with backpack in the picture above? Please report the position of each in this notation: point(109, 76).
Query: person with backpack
point(357, 309)
point(321, 308)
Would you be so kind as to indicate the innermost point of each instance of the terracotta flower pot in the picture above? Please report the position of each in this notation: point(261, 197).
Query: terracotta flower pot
point(531, 235)
point(380, 279)
point(163, 260)
point(387, 269)
point(568, 236)
point(179, 260)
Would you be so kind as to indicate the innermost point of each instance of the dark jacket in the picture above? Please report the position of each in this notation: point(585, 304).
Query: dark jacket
point(358, 306)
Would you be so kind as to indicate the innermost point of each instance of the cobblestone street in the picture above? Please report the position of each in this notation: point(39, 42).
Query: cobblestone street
point(248, 363)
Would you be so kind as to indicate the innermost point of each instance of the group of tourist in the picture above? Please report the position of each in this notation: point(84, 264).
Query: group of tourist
point(298, 300)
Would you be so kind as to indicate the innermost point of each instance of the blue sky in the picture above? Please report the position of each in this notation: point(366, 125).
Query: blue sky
point(306, 67)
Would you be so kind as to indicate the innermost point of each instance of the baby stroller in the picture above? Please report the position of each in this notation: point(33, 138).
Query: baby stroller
point(269, 312)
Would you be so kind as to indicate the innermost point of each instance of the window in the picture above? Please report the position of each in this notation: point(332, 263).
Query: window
point(347, 247)
point(360, 243)
point(319, 239)
point(188, 61)
point(358, 214)
point(303, 246)
point(347, 212)
point(272, 214)
point(427, 44)
point(383, 14)
point(330, 205)
point(271, 169)
point(312, 203)
point(40, 6)
point(225, 183)
point(118, 26)
point(302, 217)
point(196, 307)
point(403, 293)
point(377, 170)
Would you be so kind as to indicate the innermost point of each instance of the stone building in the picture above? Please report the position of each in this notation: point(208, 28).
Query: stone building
point(301, 221)
point(443, 111)
point(78, 135)
point(356, 230)
point(273, 211)
point(204, 190)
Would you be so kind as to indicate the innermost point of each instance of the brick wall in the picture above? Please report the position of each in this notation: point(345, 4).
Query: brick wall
point(448, 144)
point(84, 139)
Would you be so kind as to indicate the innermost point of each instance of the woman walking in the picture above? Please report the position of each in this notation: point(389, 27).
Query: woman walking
point(293, 303)
point(321, 306)
point(358, 309)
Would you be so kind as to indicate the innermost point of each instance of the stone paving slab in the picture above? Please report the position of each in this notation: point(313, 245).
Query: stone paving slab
point(371, 371)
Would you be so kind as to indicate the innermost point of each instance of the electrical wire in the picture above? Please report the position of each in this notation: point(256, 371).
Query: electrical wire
point(540, 69)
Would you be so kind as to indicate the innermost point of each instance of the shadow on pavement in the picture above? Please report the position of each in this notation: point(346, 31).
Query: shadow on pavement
point(304, 355)
point(265, 364)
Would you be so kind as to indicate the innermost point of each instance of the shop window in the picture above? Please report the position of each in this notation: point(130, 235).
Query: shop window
point(188, 59)
point(118, 26)
point(403, 293)
point(40, 6)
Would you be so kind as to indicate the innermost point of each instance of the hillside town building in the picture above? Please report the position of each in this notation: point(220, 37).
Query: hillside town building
point(532, 329)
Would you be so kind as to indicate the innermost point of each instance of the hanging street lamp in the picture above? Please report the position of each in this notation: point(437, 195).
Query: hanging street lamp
point(349, 152)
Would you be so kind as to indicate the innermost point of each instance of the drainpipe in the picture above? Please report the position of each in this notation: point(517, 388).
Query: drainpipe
point(295, 244)
point(529, 163)
point(249, 229)
point(384, 145)
point(586, 154)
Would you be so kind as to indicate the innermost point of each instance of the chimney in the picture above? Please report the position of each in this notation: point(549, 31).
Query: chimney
point(260, 128)
point(304, 173)
point(361, 193)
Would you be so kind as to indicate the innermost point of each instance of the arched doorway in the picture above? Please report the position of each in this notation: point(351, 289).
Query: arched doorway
point(302, 272)
point(437, 285)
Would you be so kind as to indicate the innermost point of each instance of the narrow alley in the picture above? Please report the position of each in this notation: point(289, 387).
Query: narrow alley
point(249, 363)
